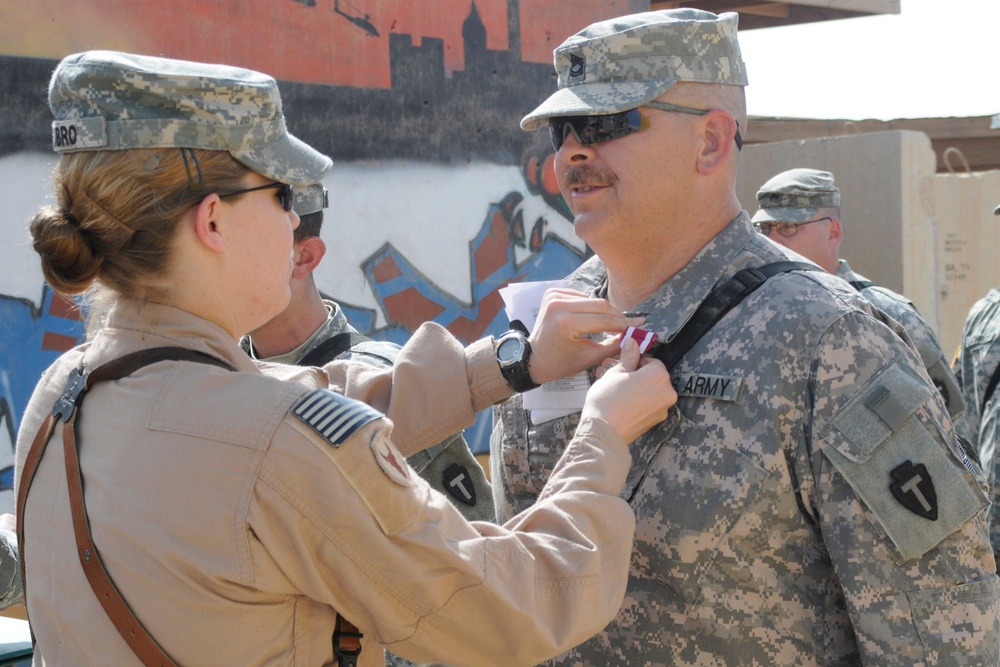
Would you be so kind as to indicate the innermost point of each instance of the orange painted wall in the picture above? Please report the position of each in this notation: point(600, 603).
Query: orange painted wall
point(286, 38)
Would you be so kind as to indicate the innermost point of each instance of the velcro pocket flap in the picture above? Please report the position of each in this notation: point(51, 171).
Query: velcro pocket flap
point(877, 412)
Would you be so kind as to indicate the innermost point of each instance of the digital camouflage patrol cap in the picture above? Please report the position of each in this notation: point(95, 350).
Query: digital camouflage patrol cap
point(796, 195)
point(622, 63)
point(105, 100)
point(310, 199)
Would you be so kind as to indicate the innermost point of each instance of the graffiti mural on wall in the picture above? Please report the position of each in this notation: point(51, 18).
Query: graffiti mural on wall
point(526, 236)
point(31, 337)
point(369, 82)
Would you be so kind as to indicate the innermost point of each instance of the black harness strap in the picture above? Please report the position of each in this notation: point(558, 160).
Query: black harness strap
point(861, 284)
point(990, 388)
point(331, 348)
point(719, 302)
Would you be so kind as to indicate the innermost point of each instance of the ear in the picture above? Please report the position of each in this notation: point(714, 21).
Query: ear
point(207, 215)
point(836, 231)
point(718, 141)
point(309, 253)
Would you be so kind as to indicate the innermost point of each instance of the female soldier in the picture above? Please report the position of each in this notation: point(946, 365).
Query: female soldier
point(238, 514)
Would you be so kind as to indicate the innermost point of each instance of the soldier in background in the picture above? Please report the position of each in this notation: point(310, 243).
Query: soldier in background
point(312, 331)
point(10, 571)
point(800, 209)
point(977, 368)
point(807, 502)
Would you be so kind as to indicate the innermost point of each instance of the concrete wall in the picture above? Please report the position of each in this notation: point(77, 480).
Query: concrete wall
point(931, 237)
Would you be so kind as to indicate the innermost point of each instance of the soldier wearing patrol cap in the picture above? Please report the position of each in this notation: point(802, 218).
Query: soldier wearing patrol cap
point(977, 369)
point(199, 508)
point(807, 502)
point(313, 331)
point(800, 210)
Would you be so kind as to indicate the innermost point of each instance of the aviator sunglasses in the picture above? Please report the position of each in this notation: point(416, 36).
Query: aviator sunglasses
point(285, 193)
point(605, 127)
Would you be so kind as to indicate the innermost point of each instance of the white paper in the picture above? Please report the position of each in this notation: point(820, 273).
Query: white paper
point(522, 301)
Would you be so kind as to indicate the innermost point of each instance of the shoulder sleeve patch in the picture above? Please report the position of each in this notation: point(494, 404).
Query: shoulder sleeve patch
point(914, 488)
point(333, 416)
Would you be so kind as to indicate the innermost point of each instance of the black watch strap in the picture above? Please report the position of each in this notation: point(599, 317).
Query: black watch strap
point(515, 371)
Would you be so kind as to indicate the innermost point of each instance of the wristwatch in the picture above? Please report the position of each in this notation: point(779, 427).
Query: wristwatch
point(513, 351)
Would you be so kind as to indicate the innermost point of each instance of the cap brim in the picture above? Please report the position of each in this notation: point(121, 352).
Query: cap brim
point(784, 214)
point(287, 160)
point(595, 98)
point(996, 211)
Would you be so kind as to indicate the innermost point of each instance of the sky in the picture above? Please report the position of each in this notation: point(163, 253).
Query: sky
point(935, 59)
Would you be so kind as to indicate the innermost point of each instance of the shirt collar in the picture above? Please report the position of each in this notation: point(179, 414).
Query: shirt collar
point(735, 247)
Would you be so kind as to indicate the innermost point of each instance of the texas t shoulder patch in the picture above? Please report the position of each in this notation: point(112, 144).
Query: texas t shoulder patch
point(333, 416)
point(458, 482)
point(913, 487)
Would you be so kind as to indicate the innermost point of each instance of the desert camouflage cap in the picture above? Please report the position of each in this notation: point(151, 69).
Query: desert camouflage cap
point(796, 195)
point(622, 63)
point(106, 100)
point(310, 199)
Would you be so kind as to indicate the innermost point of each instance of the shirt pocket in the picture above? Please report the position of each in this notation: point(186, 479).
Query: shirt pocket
point(695, 491)
point(958, 625)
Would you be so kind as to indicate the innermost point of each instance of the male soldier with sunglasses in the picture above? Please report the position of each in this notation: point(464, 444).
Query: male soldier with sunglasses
point(807, 501)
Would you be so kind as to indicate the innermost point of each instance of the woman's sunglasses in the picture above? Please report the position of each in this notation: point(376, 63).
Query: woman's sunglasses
point(286, 194)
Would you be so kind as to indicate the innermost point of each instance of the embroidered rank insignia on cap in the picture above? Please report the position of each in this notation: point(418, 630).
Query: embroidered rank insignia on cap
point(392, 463)
point(912, 486)
point(333, 416)
point(458, 482)
point(577, 68)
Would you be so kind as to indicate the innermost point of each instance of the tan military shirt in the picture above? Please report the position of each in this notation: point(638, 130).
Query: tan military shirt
point(236, 525)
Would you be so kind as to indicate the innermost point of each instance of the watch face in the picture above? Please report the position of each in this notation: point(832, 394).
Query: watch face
point(510, 350)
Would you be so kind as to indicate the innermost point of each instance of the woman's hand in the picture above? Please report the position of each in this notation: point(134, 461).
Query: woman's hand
point(560, 342)
point(633, 395)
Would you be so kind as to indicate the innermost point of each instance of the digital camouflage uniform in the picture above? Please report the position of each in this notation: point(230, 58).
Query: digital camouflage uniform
point(806, 502)
point(978, 359)
point(902, 310)
point(767, 532)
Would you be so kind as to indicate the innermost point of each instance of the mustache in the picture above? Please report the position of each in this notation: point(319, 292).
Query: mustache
point(587, 176)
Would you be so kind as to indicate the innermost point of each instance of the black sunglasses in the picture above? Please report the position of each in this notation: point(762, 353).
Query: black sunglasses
point(595, 129)
point(286, 193)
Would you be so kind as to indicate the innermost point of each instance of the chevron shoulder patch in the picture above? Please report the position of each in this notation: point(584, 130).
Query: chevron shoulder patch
point(333, 416)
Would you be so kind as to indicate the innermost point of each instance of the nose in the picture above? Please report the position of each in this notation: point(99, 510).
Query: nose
point(572, 150)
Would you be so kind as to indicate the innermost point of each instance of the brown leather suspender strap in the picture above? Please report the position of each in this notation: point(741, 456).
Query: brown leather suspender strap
point(66, 409)
point(128, 626)
point(346, 642)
